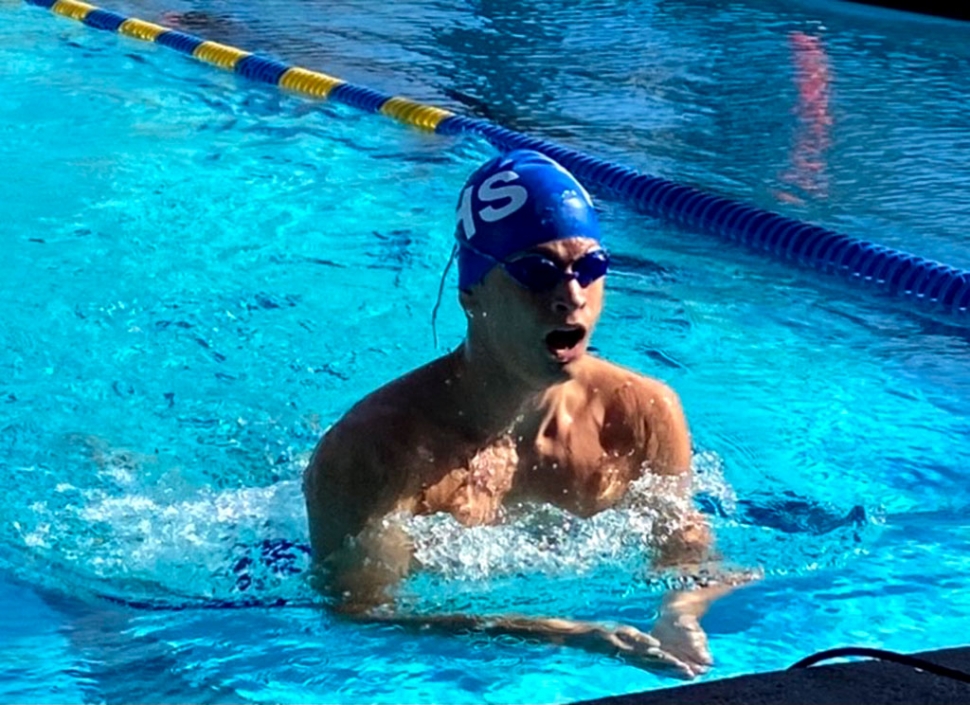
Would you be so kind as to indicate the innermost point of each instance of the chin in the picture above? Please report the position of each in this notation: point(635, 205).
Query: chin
point(559, 366)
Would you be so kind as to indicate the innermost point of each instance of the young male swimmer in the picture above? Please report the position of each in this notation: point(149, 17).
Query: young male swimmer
point(519, 412)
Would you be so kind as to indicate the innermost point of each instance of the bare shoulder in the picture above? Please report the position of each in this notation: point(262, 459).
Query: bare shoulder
point(629, 385)
point(360, 468)
point(382, 425)
point(650, 407)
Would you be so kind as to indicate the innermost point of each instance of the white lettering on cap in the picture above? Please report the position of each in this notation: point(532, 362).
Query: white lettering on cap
point(465, 213)
point(489, 192)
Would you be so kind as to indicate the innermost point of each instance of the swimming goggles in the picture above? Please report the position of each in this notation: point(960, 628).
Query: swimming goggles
point(539, 274)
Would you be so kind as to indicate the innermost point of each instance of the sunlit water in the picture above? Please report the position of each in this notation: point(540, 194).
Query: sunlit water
point(843, 114)
point(201, 275)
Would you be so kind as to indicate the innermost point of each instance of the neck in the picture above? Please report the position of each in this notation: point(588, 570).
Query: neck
point(490, 396)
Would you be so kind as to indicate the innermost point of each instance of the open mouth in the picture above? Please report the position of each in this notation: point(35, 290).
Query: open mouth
point(565, 339)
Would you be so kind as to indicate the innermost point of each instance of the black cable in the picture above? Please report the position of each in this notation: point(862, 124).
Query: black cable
point(882, 655)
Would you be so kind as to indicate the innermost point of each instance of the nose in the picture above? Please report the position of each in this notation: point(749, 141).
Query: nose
point(569, 296)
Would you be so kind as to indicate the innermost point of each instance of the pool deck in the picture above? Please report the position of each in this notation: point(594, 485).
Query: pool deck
point(952, 9)
point(870, 682)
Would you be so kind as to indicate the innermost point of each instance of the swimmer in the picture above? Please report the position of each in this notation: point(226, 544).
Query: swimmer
point(519, 412)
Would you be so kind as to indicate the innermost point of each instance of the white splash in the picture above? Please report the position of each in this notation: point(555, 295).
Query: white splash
point(542, 539)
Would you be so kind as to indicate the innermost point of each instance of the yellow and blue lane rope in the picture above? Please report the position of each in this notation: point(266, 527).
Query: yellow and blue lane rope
point(252, 66)
point(908, 276)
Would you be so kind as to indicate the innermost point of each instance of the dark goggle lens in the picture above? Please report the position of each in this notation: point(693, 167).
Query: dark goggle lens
point(540, 273)
point(535, 272)
point(591, 267)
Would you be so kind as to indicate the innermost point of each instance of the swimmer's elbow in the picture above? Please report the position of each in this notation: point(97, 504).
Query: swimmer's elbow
point(363, 574)
point(354, 592)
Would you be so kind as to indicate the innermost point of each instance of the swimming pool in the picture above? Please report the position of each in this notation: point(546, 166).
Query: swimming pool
point(203, 273)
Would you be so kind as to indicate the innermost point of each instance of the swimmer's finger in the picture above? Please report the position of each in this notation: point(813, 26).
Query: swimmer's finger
point(632, 639)
point(644, 650)
point(655, 659)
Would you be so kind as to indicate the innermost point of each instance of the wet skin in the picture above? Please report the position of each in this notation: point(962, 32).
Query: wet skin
point(519, 412)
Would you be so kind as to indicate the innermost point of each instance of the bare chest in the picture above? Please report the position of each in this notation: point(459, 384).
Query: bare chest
point(474, 487)
point(583, 463)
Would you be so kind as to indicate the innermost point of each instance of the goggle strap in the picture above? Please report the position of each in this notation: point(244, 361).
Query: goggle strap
point(441, 291)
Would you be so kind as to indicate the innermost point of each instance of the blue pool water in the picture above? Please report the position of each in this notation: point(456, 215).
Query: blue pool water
point(202, 274)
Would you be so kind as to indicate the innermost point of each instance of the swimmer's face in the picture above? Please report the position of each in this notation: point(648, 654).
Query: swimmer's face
point(537, 334)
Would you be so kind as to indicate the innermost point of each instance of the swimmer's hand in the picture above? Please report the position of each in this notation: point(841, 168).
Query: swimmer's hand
point(678, 629)
point(684, 641)
point(648, 652)
point(628, 643)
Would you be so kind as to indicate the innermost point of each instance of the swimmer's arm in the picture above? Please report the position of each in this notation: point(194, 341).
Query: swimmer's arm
point(361, 554)
point(668, 444)
point(610, 639)
point(688, 542)
point(360, 580)
point(686, 545)
point(618, 640)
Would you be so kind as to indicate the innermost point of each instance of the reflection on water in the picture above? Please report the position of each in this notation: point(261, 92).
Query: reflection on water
point(807, 173)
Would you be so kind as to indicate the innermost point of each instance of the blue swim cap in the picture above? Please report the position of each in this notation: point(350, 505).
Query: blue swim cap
point(515, 202)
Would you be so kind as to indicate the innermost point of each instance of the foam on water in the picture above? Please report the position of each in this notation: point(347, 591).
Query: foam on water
point(139, 535)
point(136, 532)
point(541, 539)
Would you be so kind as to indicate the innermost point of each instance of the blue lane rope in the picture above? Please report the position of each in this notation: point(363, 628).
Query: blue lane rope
point(900, 273)
point(259, 68)
point(907, 276)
